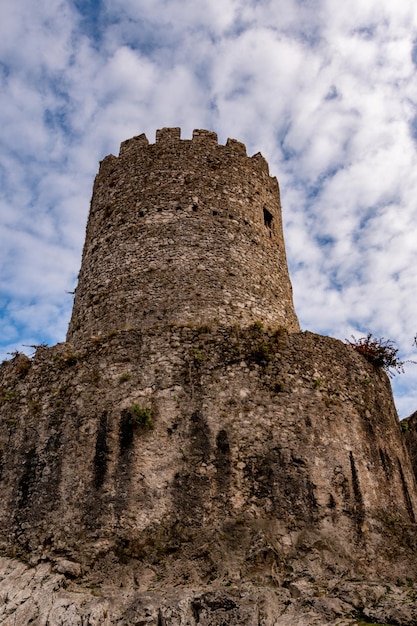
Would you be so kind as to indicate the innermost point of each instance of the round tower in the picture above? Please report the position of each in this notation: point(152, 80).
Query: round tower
point(182, 232)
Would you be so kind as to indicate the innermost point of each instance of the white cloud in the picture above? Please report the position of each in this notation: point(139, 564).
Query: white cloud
point(179, 16)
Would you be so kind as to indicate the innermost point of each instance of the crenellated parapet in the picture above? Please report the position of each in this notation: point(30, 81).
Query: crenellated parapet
point(185, 232)
point(202, 139)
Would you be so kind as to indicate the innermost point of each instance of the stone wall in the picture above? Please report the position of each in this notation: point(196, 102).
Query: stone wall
point(183, 231)
point(409, 429)
point(225, 452)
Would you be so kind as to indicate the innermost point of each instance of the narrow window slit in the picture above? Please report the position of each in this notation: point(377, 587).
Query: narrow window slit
point(268, 217)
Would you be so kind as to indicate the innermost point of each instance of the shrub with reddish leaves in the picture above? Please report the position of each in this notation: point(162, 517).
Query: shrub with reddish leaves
point(381, 353)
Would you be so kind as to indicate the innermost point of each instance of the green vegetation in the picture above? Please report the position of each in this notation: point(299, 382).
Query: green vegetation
point(261, 353)
point(317, 383)
point(142, 417)
point(258, 326)
point(198, 355)
point(264, 349)
point(124, 377)
point(7, 395)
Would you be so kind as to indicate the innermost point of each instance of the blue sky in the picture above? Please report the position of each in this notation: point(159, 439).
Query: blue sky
point(327, 91)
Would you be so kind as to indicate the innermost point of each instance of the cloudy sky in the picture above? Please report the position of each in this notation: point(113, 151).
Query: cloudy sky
point(326, 90)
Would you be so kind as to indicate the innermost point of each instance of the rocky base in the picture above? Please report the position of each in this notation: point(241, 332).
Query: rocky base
point(41, 596)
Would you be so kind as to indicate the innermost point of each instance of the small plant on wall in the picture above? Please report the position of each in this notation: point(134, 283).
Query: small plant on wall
point(380, 353)
point(142, 417)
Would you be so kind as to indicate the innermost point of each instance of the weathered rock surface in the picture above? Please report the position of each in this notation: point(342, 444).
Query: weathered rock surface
point(204, 461)
point(38, 595)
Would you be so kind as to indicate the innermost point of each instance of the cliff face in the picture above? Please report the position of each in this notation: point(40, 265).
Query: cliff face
point(179, 462)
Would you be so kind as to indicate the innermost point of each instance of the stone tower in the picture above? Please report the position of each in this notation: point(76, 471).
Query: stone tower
point(165, 470)
point(182, 232)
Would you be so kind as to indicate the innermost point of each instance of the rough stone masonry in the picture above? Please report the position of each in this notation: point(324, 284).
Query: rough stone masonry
point(189, 456)
point(182, 232)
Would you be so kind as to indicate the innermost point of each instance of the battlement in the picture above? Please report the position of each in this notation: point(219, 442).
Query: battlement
point(183, 231)
point(206, 139)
